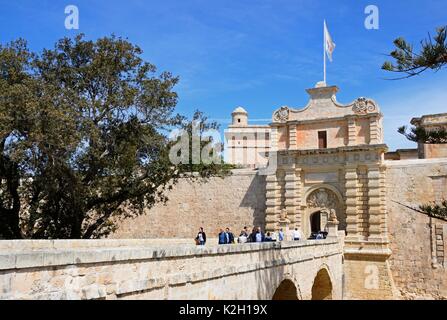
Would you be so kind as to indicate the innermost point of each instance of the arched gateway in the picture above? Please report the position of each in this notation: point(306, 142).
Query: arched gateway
point(319, 202)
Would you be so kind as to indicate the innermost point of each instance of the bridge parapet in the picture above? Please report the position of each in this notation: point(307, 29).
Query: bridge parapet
point(110, 269)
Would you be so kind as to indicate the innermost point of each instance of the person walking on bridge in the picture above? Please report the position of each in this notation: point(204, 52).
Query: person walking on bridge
point(296, 234)
point(222, 237)
point(201, 237)
point(229, 236)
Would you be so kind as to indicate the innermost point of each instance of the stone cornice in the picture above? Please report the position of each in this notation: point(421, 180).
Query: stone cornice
point(319, 120)
point(361, 148)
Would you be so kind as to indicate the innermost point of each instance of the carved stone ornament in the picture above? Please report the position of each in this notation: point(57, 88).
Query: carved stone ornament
point(282, 115)
point(364, 106)
point(333, 216)
point(322, 198)
point(283, 215)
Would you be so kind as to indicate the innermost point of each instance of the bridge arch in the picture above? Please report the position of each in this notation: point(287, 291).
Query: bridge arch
point(288, 289)
point(322, 288)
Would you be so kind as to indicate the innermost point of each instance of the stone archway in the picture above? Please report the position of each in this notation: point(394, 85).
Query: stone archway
point(286, 291)
point(323, 199)
point(322, 287)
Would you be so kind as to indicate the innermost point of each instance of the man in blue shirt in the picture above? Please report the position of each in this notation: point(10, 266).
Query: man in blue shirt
point(281, 235)
point(222, 237)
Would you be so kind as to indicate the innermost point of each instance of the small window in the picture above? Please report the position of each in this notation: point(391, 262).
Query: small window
point(322, 139)
point(267, 136)
point(239, 120)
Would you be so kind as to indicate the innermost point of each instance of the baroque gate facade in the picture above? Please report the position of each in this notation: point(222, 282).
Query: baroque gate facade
point(328, 158)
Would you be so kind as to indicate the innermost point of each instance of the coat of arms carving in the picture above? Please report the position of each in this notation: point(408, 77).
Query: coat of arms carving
point(363, 106)
point(322, 198)
point(281, 115)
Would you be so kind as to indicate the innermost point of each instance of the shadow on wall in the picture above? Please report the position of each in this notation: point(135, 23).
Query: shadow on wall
point(268, 280)
point(255, 199)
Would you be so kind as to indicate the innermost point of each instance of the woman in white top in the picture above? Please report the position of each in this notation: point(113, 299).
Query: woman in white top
point(296, 234)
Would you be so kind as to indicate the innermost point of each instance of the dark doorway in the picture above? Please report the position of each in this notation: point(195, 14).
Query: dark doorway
point(315, 222)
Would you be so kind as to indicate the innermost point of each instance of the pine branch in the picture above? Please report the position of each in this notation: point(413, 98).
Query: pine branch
point(433, 210)
point(421, 135)
point(432, 55)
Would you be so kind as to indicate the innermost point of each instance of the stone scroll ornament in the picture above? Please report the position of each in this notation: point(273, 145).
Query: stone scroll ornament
point(282, 115)
point(364, 106)
point(322, 198)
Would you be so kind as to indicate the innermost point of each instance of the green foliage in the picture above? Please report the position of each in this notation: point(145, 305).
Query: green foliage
point(435, 210)
point(433, 55)
point(198, 127)
point(83, 137)
point(419, 134)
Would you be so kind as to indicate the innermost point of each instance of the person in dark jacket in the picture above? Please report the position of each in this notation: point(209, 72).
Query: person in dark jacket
point(222, 237)
point(269, 238)
point(257, 235)
point(201, 237)
point(230, 236)
point(252, 236)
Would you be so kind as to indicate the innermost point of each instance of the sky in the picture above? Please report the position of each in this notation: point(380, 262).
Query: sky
point(259, 54)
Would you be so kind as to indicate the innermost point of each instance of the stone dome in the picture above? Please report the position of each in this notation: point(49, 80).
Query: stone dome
point(240, 110)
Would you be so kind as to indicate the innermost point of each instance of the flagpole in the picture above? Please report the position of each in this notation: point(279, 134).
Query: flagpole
point(324, 52)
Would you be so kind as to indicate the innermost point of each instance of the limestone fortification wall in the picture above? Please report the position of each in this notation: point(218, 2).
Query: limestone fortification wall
point(234, 202)
point(138, 269)
point(418, 243)
point(418, 262)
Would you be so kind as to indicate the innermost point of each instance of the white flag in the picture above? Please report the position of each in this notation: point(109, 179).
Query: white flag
point(329, 45)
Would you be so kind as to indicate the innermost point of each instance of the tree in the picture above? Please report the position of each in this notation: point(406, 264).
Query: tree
point(201, 129)
point(421, 135)
point(16, 88)
point(435, 210)
point(433, 55)
point(83, 137)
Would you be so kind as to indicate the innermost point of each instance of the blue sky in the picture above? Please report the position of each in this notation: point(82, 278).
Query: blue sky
point(258, 54)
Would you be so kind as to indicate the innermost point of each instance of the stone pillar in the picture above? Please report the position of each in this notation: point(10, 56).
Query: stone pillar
point(255, 147)
point(383, 210)
point(292, 137)
point(374, 130)
point(374, 203)
point(351, 186)
point(332, 229)
point(292, 201)
point(299, 198)
point(274, 139)
point(352, 132)
point(273, 199)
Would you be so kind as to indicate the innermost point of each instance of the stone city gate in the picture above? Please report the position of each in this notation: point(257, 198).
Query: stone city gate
point(329, 159)
point(136, 269)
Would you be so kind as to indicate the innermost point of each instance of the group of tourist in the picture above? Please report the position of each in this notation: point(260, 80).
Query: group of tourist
point(256, 235)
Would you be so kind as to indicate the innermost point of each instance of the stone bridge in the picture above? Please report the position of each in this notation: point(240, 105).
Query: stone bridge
point(142, 269)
